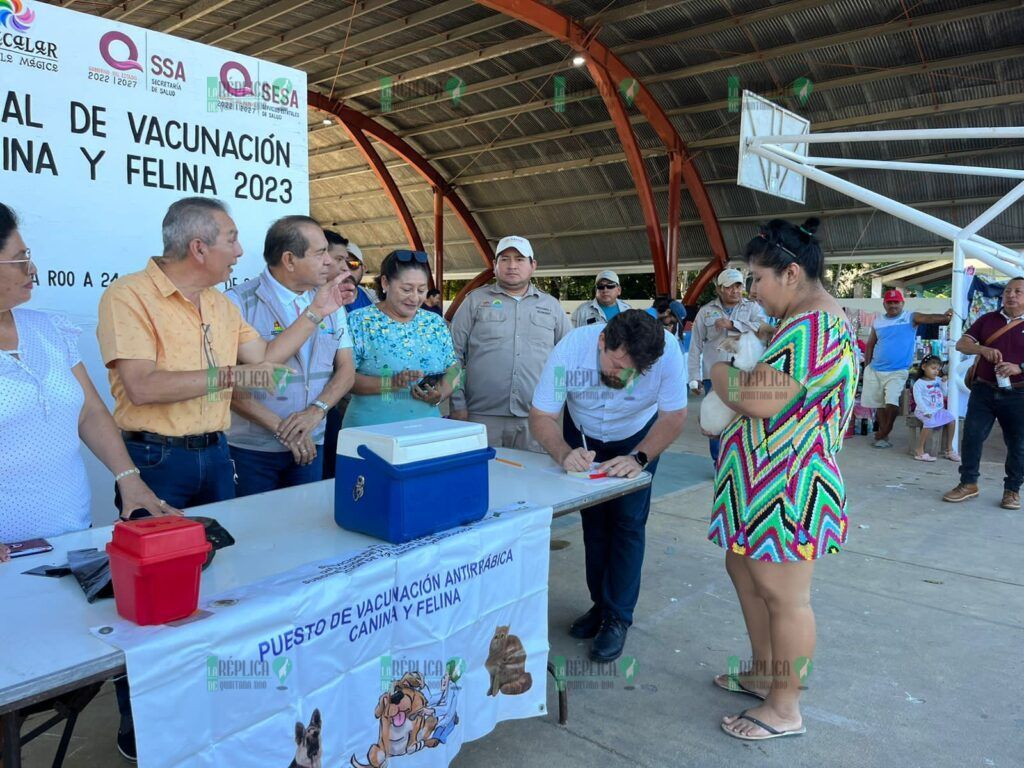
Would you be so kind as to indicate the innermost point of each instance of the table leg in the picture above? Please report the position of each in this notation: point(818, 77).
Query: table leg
point(12, 739)
point(563, 697)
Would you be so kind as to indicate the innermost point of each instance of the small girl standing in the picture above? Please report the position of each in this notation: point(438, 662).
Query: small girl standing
point(929, 407)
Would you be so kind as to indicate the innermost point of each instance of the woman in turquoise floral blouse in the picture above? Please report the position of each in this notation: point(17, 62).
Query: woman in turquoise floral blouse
point(395, 344)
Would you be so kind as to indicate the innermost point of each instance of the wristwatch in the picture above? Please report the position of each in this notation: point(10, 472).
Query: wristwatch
point(322, 406)
point(641, 459)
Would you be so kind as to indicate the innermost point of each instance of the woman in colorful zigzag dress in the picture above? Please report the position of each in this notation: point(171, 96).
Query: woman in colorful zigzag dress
point(779, 497)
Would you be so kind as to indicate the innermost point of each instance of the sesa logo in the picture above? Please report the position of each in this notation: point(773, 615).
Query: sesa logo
point(236, 81)
point(16, 16)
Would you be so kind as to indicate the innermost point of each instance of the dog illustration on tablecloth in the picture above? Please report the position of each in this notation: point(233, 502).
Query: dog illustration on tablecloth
point(407, 722)
point(506, 663)
point(308, 752)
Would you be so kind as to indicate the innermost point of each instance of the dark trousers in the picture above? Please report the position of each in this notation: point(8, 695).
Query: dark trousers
point(182, 477)
point(713, 442)
point(614, 531)
point(331, 430)
point(262, 471)
point(987, 405)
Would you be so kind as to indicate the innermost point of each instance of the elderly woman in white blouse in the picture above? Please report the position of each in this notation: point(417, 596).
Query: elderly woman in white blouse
point(47, 404)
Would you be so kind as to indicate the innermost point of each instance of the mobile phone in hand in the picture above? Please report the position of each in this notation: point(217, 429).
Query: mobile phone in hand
point(430, 381)
point(29, 547)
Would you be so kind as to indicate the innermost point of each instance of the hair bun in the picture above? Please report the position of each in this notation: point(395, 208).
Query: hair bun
point(810, 226)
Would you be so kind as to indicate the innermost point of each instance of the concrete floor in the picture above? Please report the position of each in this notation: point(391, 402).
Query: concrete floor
point(920, 637)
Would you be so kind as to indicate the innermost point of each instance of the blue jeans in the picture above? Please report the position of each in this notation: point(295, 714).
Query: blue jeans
point(614, 532)
point(262, 471)
point(712, 441)
point(181, 477)
point(986, 406)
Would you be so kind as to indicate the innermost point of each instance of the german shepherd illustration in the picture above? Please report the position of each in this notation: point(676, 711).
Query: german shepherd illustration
point(308, 752)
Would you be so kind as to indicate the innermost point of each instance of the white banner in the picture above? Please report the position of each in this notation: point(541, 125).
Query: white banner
point(396, 653)
point(103, 125)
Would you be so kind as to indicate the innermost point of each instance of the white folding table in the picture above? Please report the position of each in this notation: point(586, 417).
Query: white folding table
point(45, 630)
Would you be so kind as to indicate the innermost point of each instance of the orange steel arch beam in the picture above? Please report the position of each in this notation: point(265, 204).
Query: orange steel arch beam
point(360, 122)
point(565, 29)
point(610, 93)
point(412, 234)
point(482, 279)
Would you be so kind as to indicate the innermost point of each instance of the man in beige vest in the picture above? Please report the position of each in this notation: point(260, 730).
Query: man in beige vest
point(503, 334)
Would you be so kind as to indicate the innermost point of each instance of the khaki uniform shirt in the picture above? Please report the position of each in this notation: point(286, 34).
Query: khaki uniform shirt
point(746, 316)
point(503, 345)
point(590, 312)
point(143, 316)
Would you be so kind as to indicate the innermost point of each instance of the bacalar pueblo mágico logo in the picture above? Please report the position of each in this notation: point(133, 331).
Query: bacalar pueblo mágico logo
point(16, 45)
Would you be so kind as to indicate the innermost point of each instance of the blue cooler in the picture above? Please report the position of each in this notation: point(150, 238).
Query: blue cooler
point(408, 479)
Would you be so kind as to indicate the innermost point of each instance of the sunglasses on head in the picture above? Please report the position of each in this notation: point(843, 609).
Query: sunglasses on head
point(406, 256)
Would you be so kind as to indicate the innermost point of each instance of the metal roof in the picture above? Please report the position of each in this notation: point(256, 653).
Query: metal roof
point(559, 176)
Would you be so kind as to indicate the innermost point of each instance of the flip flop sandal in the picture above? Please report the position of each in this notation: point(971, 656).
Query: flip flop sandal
point(953, 456)
point(924, 457)
point(773, 733)
point(733, 685)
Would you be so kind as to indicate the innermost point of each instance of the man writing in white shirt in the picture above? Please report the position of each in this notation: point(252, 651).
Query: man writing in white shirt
point(622, 383)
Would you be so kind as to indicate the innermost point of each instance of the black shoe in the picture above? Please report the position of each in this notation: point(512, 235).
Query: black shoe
point(586, 626)
point(611, 638)
point(126, 744)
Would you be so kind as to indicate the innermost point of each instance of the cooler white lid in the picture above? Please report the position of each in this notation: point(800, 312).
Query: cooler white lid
point(416, 439)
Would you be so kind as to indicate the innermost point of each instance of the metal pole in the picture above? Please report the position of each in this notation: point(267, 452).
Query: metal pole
point(956, 329)
point(982, 248)
point(1009, 199)
point(922, 135)
point(895, 165)
point(439, 242)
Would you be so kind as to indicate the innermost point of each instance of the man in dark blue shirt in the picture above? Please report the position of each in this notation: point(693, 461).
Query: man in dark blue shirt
point(365, 297)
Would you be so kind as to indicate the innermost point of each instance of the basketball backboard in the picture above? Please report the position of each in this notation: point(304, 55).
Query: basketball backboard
point(761, 118)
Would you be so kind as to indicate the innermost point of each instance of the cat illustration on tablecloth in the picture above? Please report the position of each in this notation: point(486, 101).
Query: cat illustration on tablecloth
point(506, 663)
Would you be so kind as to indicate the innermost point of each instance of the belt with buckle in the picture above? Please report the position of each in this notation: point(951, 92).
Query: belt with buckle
point(188, 442)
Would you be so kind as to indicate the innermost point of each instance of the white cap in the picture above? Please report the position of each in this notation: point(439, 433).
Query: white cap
point(521, 244)
point(353, 250)
point(729, 277)
point(608, 275)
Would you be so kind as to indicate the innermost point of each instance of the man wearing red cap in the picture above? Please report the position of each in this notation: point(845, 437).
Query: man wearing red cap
point(887, 360)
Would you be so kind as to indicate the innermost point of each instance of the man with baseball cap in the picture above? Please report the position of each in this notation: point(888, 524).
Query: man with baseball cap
point(503, 334)
point(605, 305)
point(730, 314)
point(887, 360)
point(365, 297)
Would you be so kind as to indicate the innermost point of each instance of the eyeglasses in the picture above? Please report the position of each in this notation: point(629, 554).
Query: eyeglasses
point(211, 358)
point(26, 262)
point(406, 256)
point(606, 286)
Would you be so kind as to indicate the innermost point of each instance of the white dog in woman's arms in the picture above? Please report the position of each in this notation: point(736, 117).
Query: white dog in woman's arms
point(746, 351)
